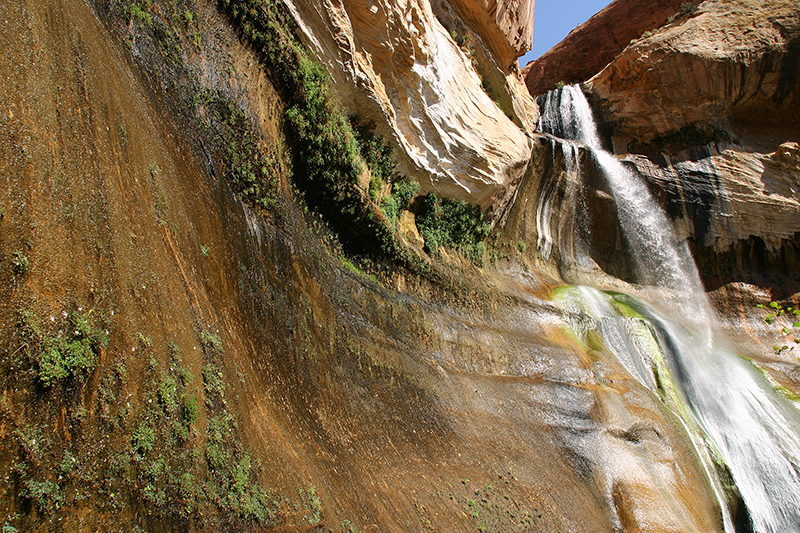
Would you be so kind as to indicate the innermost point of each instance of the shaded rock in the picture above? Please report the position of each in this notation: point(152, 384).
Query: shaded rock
point(740, 209)
point(595, 43)
point(506, 27)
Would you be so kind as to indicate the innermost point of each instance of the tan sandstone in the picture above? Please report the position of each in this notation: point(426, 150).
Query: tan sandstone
point(732, 62)
point(396, 64)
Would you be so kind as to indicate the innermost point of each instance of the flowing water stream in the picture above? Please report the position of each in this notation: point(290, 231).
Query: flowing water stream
point(732, 408)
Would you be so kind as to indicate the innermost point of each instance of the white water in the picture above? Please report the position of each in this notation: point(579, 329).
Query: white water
point(755, 429)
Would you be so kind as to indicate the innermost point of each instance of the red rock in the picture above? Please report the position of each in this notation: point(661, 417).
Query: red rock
point(596, 42)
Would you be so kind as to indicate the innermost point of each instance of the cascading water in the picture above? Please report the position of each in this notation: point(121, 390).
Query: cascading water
point(755, 429)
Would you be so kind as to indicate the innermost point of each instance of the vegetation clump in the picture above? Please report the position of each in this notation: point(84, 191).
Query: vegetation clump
point(70, 352)
point(376, 153)
point(788, 320)
point(19, 264)
point(452, 224)
point(248, 166)
point(687, 9)
point(327, 159)
point(403, 191)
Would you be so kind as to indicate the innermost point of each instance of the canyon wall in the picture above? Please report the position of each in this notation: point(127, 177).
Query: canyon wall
point(187, 348)
point(595, 43)
point(727, 64)
point(440, 80)
point(704, 103)
point(712, 99)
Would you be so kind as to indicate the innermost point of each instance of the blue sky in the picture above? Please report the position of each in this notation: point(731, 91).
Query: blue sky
point(554, 19)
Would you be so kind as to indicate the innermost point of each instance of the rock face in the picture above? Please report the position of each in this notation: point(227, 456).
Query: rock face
point(740, 209)
point(732, 62)
point(595, 43)
point(352, 406)
point(395, 63)
point(712, 100)
point(506, 26)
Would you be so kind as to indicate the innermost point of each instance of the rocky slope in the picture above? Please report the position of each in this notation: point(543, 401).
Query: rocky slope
point(595, 43)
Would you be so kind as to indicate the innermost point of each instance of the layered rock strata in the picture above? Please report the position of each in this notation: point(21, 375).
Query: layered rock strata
point(712, 100)
point(729, 64)
point(740, 210)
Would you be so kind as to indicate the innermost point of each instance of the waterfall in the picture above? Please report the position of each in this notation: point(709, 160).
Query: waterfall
point(571, 185)
point(752, 427)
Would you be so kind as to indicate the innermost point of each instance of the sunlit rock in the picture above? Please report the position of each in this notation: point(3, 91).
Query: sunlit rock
point(395, 63)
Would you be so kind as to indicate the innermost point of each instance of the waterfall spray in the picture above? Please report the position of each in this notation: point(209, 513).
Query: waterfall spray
point(753, 428)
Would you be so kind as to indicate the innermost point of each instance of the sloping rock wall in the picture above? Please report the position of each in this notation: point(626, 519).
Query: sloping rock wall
point(354, 406)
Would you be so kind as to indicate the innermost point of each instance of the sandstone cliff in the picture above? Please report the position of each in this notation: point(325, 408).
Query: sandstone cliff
point(185, 348)
point(713, 100)
point(730, 64)
point(593, 44)
point(395, 63)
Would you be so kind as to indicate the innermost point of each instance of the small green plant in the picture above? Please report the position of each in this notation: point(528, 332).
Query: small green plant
point(191, 410)
point(521, 247)
point(211, 341)
point(352, 267)
point(47, 495)
point(19, 264)
point(68, 463)
point(689, 8)
point(144, 340)
point(788, 320)
point(403, 190)
point(143, 439)
point(70, 353)
point(213, 381)
point(315, 504)
point(141, 12)
point(377, 154)
point(452, 224)
point(204, 250)
point(348, 527)
point(188, 16)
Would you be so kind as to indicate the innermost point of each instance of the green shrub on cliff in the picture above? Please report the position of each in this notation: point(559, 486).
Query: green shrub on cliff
point(71, 352)
point(453, 224)
point(788, 320)
point(403, 190)
point(326, 161)
point(376, 153)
